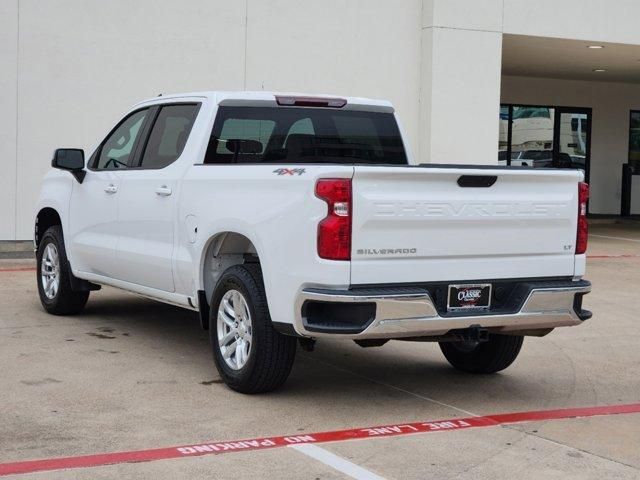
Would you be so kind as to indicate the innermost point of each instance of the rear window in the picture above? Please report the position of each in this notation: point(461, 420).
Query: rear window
point(304, 135)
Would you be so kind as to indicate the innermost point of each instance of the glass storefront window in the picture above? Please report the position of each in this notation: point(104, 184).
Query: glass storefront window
point(552, 137)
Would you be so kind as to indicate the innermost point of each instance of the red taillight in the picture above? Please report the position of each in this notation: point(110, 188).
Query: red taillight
point(334, 231)
point(583, 227)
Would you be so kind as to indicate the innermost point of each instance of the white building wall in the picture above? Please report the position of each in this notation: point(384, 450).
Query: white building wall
point(70, 68)
point(611, 103)
point(613, 21)
point(81, 63)
point(8, 113)
point(347, 47)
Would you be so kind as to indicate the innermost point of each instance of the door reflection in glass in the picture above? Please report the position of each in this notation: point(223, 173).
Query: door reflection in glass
point(532, 136)
point(572, 141)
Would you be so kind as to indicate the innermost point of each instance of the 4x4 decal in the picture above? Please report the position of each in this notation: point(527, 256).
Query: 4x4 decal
point(289, 171)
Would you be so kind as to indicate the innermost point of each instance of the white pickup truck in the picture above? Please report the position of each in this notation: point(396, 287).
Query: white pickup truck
point(286, 218)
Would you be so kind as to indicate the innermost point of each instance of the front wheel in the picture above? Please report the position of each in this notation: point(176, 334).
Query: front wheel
point(54, 283)
point(250, 355)
point(491, 356)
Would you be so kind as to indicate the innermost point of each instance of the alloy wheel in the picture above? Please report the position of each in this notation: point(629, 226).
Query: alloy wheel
point(50, 271)
point(234, 329)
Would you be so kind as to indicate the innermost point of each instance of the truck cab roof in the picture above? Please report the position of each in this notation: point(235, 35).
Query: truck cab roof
point(263, 98)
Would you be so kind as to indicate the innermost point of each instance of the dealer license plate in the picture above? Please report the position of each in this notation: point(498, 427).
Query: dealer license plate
point(469, 297)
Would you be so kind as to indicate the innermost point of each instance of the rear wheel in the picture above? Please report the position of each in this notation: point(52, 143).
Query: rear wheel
point(491, 356)
point(53, 275)
point(250, 355)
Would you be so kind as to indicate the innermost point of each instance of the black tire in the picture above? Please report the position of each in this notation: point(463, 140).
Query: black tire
point(66, 301)
point(271, 353)
point(485, 357)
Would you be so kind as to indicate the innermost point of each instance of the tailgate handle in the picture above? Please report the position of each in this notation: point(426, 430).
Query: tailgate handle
point(477, 180)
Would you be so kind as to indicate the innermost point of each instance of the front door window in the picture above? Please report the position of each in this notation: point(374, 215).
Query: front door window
point(117, 147)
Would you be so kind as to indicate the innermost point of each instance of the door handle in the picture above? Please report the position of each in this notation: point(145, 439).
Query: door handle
point(111, 188)
point(163, 191)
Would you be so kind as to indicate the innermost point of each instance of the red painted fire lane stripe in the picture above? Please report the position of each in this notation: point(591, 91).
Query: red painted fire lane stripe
point(18, 269)
point(613, 256)
point(216, 448)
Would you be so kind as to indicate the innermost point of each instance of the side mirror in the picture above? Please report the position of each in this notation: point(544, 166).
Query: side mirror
point(70, 159)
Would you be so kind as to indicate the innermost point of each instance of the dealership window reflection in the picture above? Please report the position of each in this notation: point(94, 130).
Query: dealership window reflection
point(532, 136)
point(546, 137)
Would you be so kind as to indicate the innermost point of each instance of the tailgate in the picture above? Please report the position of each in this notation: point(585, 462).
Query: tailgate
point(417, 224)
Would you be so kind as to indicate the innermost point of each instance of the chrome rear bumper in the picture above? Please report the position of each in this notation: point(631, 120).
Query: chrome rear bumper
point(412, 313)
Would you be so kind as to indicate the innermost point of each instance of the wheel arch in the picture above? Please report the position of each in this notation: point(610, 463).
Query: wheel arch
point(46, 218)
point(221, 251)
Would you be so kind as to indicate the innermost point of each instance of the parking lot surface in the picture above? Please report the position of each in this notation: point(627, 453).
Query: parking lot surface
point(130, 374)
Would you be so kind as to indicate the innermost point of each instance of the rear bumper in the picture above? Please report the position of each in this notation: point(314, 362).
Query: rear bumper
point(397, 312)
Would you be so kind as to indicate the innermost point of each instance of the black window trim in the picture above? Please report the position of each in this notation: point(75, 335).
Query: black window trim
point(141, 144)
point(91, 164)
point(141, 147)
point(631, 113)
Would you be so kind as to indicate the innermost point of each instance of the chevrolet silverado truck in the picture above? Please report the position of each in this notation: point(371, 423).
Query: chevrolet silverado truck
point(284, 218)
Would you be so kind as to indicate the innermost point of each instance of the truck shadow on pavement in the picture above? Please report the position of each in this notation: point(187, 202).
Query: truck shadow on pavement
point(335, 369)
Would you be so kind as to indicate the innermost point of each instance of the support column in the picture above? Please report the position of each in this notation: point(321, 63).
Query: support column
point(460, 81)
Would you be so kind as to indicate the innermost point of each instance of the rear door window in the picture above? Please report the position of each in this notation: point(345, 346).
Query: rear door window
point(169, 135)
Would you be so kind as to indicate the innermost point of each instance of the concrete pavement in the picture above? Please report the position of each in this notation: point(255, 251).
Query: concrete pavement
point(130, 373)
